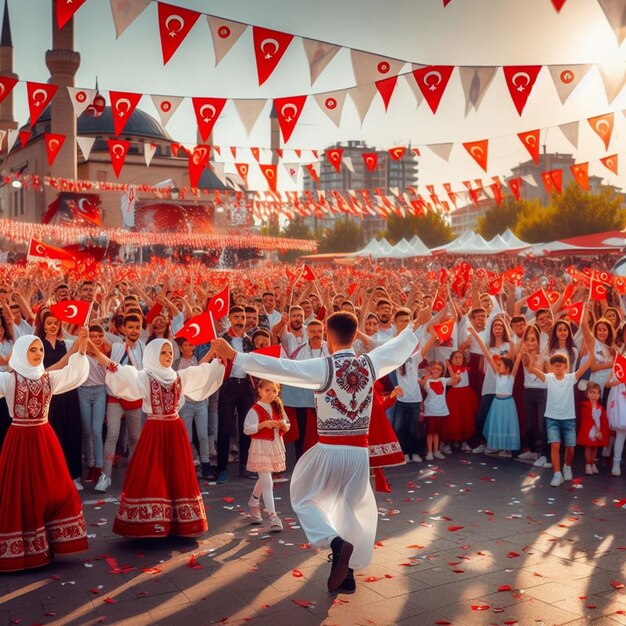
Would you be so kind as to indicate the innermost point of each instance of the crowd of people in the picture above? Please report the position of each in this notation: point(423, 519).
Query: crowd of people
point(380, 365)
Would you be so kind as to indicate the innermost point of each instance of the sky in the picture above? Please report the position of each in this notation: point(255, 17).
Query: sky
point(467, 32)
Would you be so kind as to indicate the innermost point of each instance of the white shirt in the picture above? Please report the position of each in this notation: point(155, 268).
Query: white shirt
point(560, 402)
point(435, 403)
point(291, 342)
point(409, 382)
point(384, 334)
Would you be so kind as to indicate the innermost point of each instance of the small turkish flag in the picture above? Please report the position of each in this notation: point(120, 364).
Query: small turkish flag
point(157, 307)
point(478, 150)
point(270, 172)
point(397, 154)
point(619, 368)
point(602, 125)
point(514, 186)
point(371, 160)
point(174, 25)
point(269, 47)
point(6, 86)
point(495, 286)
point(118, 150)
point(72, 311)
point(538, 300)
point(242, 170)
point(531, 140)
point(53, 145)
point(273, 351)
point(66, 10)
point(219, 304)
point(123, 105)
point(520, 80)
point(39, 97)
point(38, 251)
point(575, 311)
point(439, 303)
point(581, 174)
point(432, 82)
point(597, 291)
point(198, 161)
point(307, 273)
point(334, 157)
point(620, 284)
point(352, 287)
point(198, 329)
point(444, 330)
point(603, 276)
point(610, 162)
point(291, 276)
point(288, 111)
point(207, 111)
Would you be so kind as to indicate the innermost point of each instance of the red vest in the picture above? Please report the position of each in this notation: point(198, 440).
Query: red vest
point(266, 433)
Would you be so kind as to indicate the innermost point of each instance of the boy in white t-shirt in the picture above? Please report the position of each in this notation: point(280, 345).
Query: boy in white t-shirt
point(560, 411)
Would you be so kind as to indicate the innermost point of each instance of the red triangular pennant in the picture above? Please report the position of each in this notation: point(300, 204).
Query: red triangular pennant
point(514, 186)
point(478, 151)
point(39, 97)
point(256, 153)
point(538, 300)
point(397, 154)
point(580, 171)
point(242, 170)
point(269, 47)
point(198, 160)
point(610, 162)
point(24, 136)
point(444, 330)
point(53, 145)
point(118, 150)
point(386, 88)
point(207, 111)
point(553, 180)
point(270, 173)
point(174, 25)
point(288, 111)
point(520, 80)
point(531, 139)
point(432, 82)
point(66, 9)
point(603, 127)
point(558, 4)
point(371, 160)
point(123, 105)
point(6, 86)
point(334, 157)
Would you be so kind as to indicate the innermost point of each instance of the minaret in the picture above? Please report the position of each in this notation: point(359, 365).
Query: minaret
point(63, 63)
point(7, 121)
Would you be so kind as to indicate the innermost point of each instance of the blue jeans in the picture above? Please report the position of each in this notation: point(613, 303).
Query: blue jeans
point(405, 421)
point(197, 412)
point(93, 405)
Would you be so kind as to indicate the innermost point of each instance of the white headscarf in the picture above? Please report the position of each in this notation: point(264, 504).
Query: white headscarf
point(19, 358)
point(152, 363)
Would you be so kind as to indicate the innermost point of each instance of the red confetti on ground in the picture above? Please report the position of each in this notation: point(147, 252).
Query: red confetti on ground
point(95, 590)
point(192, 562)
point(505, 588)
point(480, 607)
point(453, 529)
point(265, 606)
point(380, 544)
point(55, 577)
point(305, 546)
point(617, 584)
point(415, 546)
point(141, 594)
point(372, 579)
point(489, 513)
point(305, 603)
point(296, 573)
point(513, 555)
point(591, 606)
point(228, 499)
point(388, 576)
point(16, 620)
point(442, 622)
point(458, 571)
point(151, 570)
point(110, 600)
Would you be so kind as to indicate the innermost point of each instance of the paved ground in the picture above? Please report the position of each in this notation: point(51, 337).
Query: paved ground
point(472, 540)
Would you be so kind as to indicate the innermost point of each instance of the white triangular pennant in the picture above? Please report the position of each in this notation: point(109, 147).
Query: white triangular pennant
point(613, 76)
point(85, 144)
point(125, 13)
point(319, 55)
point(249, 111)
point(530, 179)
point(475, 82)
point(81, 98)
point(332, 104)
point(166, 106)
point(292, 170)
point(12, 138)
point(347, 161)
point(148, 152)
point(567, 77)
point(225, 35)
point(419, 96)
point(442, 150)
point(368, 68)
point(362, 97)
point(3, 134)
point(615, 12)
point(571, 132)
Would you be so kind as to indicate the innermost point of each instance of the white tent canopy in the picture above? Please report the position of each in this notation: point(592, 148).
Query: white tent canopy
point(370, 248)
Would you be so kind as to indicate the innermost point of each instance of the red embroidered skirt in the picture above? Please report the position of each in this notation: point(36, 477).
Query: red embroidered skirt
point(40, 510)
point(161, 495)
point(463, 406)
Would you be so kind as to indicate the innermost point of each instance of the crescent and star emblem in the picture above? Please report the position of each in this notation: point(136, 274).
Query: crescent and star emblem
point(81, 96)
point(118, 105)
point(273, 42)
point(289, 107)
point(208, 107)
point(477, 152)
point(71, 310)
point(53, 144)
point(196, 328)
point(39, 249)
point(174, 18)
point(36, 101)
point(567, 76)
point(166, 105)
point(118, 153)
point(432, 85)
point(525, 80)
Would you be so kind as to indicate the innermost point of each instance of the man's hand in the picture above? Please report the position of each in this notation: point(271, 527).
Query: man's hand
point(423, 317)
point(223, 349)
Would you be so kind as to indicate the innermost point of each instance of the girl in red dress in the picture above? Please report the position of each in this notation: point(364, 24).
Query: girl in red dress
point(40, 511)
point(594, 427)
point(161, 495)
point(462, 404)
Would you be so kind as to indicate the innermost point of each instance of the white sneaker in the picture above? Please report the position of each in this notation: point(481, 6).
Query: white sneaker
point(407, 458)
point(505, 454)
point(416, 458)
point(439, 456)
point(616, 470)
point(557, 480)
point(104, 482)
point(78, 485)
point(429, 456)
point(479, 449)
point(528, 456)
point(594, 469)
point(540, 462)
point(446, 449)
point(465, 447)
point(567, 472)
point(588, 470)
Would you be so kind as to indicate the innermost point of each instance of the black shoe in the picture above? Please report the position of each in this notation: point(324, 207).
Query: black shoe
point(244, 473)
point(349, 584)
point(208, 472)
point(342, 551)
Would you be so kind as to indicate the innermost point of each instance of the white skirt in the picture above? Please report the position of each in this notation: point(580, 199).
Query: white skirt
point(332, 496)
point(616, 408)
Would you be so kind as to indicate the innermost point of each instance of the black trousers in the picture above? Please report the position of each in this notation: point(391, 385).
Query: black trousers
point(235, 400)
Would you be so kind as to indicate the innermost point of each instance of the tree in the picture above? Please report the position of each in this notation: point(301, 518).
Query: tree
point(572, 213)
point(346, 236)
point(295, 229)
point(431, 228)
point(500, 217)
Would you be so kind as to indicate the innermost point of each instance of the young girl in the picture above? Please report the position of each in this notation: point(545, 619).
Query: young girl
point(462, 404)
point(616, 412)
point(435, 408)
point(594, 427)
point(502, 425)
point(604, 350)
point(561, 341)
point(265, 423)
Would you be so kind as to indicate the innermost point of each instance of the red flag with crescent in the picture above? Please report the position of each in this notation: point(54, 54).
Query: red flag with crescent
point(118, 149)
point(288, 112)
point(575, 311)
point(123, 105)
point(619, 368)
point(269, 48)
point(207, 111)
point(597, 291)
point(334, 157)
point(156, 308)
point(620, 284)
point(397, 153)
point(580, 171)
point(520, 80)
point(602, 126)
point(495, 286)
point(514, 186)
point(371, 160)
point(242, 170)
point(66, 10)
point(432, 82)
point(219, 304)
point(478, 151)
point(6, 86)
point(198, 161)
point(273, 351)
point(72, 311)
point(444, 330)
point(53, 145)
point(610, 162)
point(307, 274)
point(39, 97)
point(538, 300)
point(531, 139)
point(198, 329)
point(174, 25)
point(40, 251)
point(439, 303)
point(271, 173)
